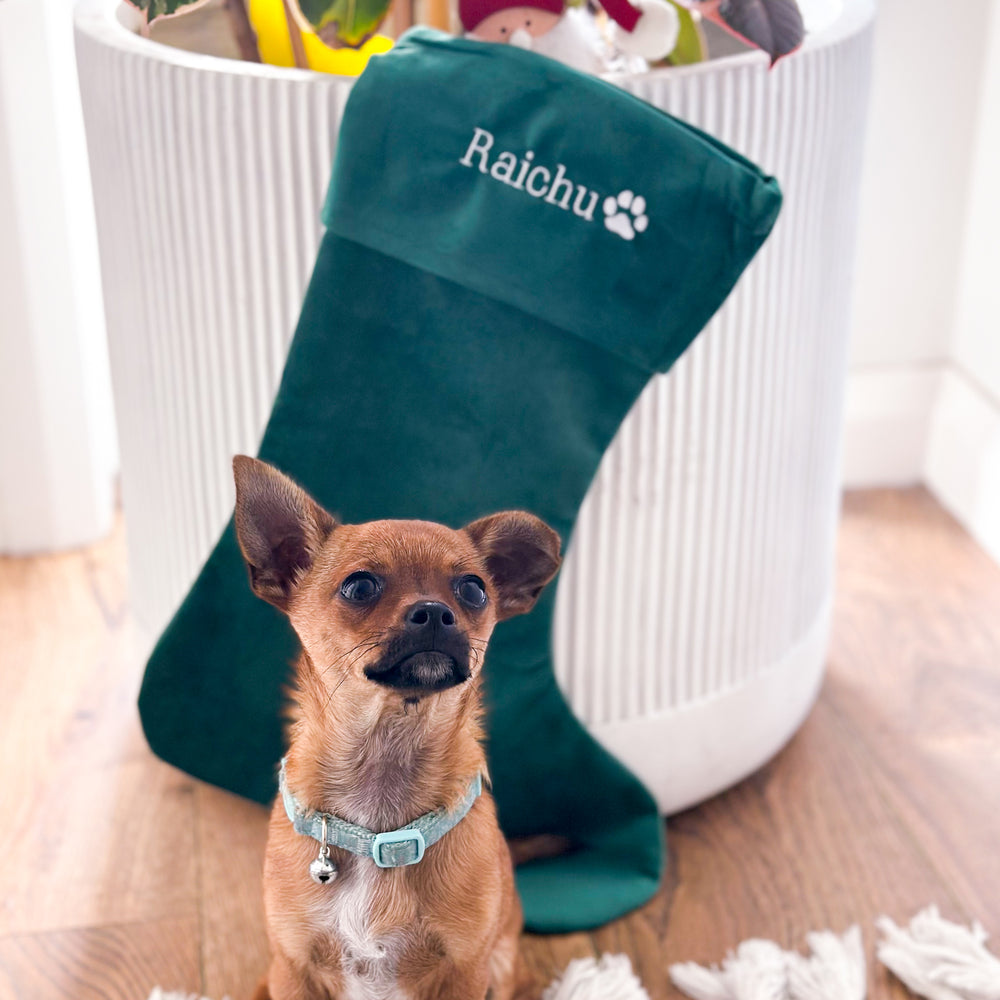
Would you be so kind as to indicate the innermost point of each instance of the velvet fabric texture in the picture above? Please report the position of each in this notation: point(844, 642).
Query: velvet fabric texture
point(512, 251)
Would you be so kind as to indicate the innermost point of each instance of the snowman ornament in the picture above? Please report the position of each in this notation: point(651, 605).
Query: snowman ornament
point(642, 31)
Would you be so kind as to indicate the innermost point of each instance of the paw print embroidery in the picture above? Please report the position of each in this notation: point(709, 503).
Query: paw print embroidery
point(626, 214)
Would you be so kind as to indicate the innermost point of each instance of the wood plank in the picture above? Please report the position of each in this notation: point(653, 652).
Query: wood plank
point(916, 680)
point(117, 962)
point(94, 846)
point(232, 834)
point(95, 830)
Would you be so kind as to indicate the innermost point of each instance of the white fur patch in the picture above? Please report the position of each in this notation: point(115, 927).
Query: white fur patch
point(369, 963)
point(159, 994)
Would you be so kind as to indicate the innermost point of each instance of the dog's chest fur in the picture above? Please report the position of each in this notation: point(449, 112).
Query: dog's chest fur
point(369, 961)
point(361, 910)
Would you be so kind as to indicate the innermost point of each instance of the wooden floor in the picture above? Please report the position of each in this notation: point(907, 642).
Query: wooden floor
point(117, 872)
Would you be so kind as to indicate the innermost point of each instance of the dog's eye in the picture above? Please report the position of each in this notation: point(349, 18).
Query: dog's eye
point(361, 588)
point(471, 591)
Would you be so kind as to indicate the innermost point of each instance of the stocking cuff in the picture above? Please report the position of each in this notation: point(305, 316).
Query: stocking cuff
point(548, 190)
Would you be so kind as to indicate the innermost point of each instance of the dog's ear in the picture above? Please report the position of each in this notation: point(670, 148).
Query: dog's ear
point(280, 528)
point(522, 555)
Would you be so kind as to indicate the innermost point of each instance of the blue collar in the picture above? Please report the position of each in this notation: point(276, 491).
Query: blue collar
point(394, 849)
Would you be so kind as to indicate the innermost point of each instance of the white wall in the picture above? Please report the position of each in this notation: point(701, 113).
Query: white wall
point(57, 441)
point(976, 343)
point(924, 389)
point(962, 463)
point(930, 60)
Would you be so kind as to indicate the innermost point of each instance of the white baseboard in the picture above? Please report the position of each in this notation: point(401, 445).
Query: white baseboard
point(887, 424)
point(962, 464)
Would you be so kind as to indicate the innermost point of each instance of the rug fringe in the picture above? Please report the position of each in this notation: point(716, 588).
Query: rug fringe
point(610, 978)
point(760, 970)
point(834, 971)
point(757, 970)
point(940, 960)
point(933, 957)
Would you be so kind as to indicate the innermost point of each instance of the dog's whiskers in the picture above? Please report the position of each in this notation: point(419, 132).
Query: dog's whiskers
point(368, 643)
point(356, 652)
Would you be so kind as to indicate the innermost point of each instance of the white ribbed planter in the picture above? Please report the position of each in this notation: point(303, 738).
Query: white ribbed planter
point(710, 526)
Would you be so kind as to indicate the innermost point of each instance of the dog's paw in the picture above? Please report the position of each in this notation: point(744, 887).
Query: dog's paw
point(626, 214)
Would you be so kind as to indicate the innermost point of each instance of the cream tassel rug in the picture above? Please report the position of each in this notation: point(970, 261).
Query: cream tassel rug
point(934, 958)
point(940, 960)
point(760, 970)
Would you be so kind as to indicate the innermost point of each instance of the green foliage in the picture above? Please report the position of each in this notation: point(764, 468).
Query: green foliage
point(158, 8)
point(344, 22)
point(339, 23)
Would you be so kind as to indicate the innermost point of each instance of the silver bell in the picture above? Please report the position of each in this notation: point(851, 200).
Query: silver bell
point(323, 870)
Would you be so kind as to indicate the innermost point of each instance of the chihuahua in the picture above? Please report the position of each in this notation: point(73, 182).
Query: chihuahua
point(386, 874)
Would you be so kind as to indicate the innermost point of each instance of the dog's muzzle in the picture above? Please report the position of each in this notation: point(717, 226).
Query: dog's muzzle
point(425, 671)
point(428, 654)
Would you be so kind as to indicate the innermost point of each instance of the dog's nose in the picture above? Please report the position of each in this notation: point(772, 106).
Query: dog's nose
point(430, 615)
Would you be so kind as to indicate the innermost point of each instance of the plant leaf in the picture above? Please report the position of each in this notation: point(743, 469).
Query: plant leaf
point(772, 25)
point(160, 8)
point(690, 47)
point(342, 23)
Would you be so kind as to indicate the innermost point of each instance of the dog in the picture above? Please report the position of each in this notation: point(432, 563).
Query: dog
point(394, 618)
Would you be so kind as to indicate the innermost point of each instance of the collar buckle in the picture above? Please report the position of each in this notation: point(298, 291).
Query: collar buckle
point(405, 847)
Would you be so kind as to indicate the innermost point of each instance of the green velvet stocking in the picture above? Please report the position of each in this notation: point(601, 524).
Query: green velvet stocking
point(474, 333)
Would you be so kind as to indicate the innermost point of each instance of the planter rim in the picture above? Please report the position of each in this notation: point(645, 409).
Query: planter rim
point(115, 24)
